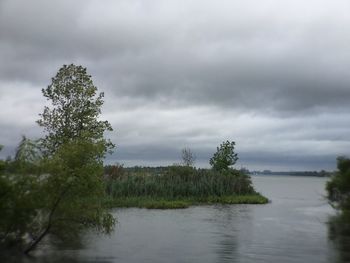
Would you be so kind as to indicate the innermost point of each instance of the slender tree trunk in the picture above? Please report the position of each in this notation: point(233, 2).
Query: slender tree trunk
point(49, 223)
point(37, 240)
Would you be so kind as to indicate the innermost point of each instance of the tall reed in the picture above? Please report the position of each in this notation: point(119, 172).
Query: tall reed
point(179, 182)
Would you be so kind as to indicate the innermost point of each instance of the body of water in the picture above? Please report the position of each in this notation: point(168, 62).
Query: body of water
point(291, 228)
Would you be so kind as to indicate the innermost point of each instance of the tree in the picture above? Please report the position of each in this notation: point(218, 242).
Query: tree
point(27, 157)
point(74, 192)
point(338, 190)
point(75, 110)
point(338, 187)
point(2, 163)
point(188, 157)
point(74, 149)
point(224, 156)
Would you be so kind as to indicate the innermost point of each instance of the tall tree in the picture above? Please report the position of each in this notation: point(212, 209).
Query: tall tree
point(74, 148)
point(74, 111)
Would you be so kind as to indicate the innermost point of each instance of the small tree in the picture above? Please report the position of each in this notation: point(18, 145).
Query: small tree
point(224, 156)
point(18, 208)
point(27, 157)
point(188, 157)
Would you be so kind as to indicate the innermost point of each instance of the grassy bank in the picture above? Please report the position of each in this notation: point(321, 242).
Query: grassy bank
point(161, 203)
point(179, 187)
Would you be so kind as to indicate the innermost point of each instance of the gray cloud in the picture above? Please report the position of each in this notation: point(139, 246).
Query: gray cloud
point(271, 75)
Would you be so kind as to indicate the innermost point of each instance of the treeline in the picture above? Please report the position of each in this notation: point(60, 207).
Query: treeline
point(321, 173)
point(116, 170)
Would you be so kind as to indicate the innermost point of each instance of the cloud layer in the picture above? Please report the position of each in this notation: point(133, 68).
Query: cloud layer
point(272, 76)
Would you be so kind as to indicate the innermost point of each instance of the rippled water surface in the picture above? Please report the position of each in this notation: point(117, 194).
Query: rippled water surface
point(292, 228)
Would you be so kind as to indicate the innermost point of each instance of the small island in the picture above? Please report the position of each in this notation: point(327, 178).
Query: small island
point(180, 186)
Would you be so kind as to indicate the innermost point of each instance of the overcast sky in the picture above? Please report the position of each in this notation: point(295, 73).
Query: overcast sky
point(273, 76)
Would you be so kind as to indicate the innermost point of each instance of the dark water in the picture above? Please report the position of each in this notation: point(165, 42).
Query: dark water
point(292, 228)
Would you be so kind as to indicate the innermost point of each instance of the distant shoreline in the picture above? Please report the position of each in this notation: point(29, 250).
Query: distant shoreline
point(308, 174)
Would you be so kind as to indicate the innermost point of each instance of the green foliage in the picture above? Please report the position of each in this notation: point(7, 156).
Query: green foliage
point(181, 181)
point(339, 233)
point(184, 202)
point(27, 151)
point(338, 187)
point(75, 185)
point(2, 163)
point(75, 108)
point(73, 162)
point(27, 157)
point(18, 196)
point(17, 201)
point(59, 192)
point(224, 157)
point(147, 202)
point(63, 197)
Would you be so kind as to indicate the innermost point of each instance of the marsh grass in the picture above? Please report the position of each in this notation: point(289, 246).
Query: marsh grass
point(179, 187)
point(160, 203)
point(147, 202)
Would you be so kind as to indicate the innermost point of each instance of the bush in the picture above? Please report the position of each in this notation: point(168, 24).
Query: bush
point(339, 187)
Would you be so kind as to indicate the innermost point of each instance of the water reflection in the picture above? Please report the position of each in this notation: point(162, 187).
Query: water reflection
point(290, 229)
point(339, 234)
point(226, 224)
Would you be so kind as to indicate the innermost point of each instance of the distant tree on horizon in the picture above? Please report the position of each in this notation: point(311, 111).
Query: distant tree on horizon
point(188, 157)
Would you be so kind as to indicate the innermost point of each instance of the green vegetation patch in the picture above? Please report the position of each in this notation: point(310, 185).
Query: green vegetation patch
point(180, 187)
point(338, 188)
point(235, 199)
point(147, 202)
point(161, 203)
point(180, 182)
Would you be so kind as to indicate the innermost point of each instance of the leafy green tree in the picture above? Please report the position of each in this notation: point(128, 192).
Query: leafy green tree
point(338, 187)
point(75, 107)
point(224, 157)
point(74, 149)
point(74, 193)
